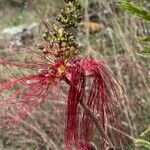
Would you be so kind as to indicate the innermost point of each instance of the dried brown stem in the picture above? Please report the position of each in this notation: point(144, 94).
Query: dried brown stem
point(97, 124)
point(95, 120)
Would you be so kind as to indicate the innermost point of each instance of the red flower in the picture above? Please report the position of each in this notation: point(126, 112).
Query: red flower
point(89, 81)
point(27, 92)
point(101, 97)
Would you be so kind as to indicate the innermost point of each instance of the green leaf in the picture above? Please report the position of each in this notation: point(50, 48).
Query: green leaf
point(145, 53)
point(132, 8)
point(142, 143)
point(146, 132)
point(144, 39)
point(146, 50)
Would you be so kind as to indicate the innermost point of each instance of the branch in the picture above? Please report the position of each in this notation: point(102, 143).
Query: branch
point(97, 124)
point(94, 119)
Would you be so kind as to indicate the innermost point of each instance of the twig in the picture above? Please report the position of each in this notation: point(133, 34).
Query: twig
point(95, 120)
point(97, 124)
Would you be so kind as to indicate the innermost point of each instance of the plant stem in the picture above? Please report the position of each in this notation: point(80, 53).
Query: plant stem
point(95, 120)
point(97, 124)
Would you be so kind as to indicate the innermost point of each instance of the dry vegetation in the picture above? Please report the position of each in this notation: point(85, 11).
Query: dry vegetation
point(116, 41)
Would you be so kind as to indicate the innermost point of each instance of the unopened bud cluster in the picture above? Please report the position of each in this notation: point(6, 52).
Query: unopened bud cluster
point(70, 16)
point(62, 39)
